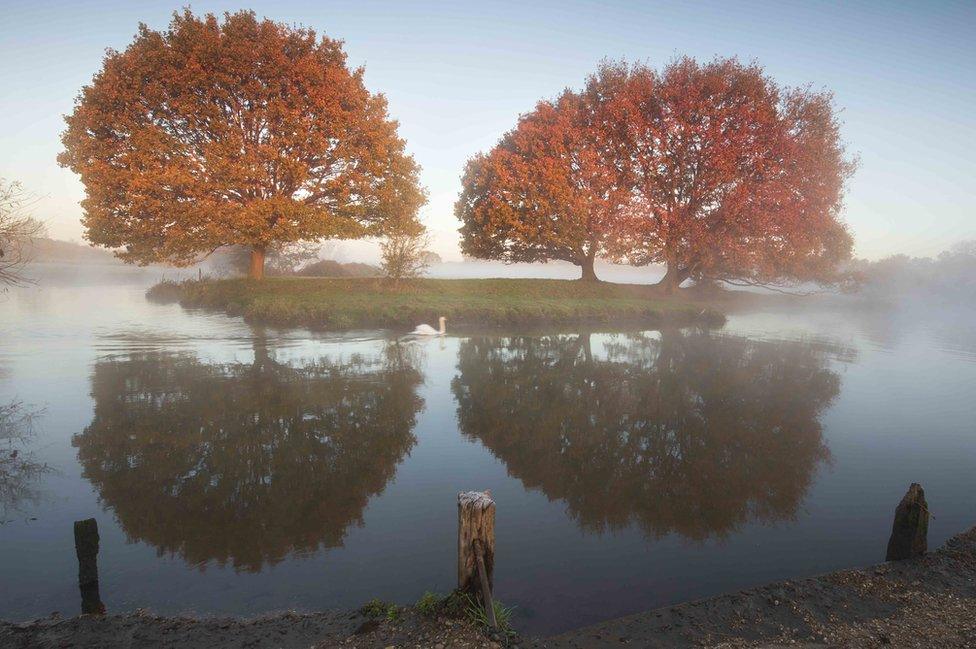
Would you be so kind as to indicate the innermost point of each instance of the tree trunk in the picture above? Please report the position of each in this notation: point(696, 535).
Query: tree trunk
point(589, 274)
point(257, 262)
point(672, 279)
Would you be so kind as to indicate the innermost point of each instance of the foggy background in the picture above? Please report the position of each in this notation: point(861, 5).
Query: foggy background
point(457, 75)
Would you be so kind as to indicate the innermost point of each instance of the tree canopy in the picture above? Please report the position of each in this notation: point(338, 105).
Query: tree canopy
point(711, 169)
point(551, 187)
point(240, 131)
point(734, 177)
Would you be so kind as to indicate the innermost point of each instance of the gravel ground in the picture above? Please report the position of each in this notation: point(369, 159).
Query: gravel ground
point(284, 630)
point(925, 602)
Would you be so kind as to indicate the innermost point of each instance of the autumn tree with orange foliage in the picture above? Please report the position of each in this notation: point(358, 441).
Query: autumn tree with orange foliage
point(734, 177)
point(712, 170)
point(550, 189)
point(234, 132)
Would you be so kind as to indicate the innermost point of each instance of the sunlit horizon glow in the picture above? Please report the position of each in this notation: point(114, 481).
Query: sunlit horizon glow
point(457, 77)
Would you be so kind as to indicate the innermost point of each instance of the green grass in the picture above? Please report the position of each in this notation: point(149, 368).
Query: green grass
point(464, 606)
point(457, 606)
point(429, 604)
point(350, 303)
point(375, 608)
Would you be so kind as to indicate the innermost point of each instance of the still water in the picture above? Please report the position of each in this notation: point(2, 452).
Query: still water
point(240, 470)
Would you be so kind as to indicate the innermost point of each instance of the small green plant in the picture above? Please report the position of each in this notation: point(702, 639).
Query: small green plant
point(392, 613)
point(475, 612)
point(429, 603)
point(375, 608)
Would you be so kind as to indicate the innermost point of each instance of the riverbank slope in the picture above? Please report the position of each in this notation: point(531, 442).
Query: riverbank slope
point(323, 630)
point(353, 303)
point(924, 602)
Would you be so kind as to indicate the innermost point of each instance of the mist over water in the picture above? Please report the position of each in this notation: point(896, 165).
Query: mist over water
point(553, 270)
point(237, 469)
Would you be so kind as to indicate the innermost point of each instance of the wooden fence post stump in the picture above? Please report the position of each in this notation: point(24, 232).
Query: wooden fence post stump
point(909, 532)
point(86, 547)
point(476, 548)
point(476, 521)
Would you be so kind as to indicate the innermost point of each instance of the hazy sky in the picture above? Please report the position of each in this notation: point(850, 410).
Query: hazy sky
point(457, 75)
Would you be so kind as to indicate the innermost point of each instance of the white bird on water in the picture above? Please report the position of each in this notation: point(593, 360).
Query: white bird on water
point(427, 330)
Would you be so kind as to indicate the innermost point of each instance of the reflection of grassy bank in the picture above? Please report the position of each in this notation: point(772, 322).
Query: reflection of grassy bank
point(354, 303)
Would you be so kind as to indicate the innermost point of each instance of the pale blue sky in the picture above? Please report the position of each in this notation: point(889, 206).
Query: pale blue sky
point(458, 74)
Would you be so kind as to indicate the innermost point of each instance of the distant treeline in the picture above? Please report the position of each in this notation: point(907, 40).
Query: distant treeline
point(332, 268)
point(227, 261)
point(951, 275)
point(47, 251)
point(288, 260)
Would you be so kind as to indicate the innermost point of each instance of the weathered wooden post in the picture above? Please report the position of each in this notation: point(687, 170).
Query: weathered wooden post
point(909, 532)
point(86, 547)
point(476, 547)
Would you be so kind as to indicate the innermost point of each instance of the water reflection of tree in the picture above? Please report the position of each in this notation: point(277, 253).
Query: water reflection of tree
point(19, 471)
point(246, 463)
point(688, 433)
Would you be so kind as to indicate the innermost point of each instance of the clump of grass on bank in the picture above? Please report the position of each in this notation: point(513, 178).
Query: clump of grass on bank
point(166, 291)
point(474, 612)
point(350, 303)
point(465, 607)
point(377, 608)
point(429, 604)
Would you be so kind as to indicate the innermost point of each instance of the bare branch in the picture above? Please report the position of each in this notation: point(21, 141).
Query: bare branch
point(17, 231)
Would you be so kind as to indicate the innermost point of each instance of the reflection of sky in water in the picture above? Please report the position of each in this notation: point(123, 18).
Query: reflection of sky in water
point(904, 413)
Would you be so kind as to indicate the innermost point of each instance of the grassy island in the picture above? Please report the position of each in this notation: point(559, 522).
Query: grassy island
point(352, 303)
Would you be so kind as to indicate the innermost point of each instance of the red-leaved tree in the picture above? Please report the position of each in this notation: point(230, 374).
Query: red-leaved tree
point(734, 178)
point(713, 170)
